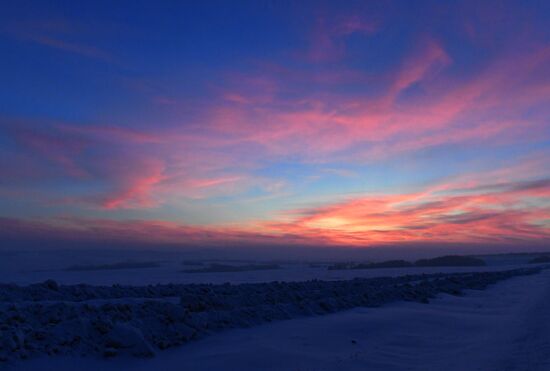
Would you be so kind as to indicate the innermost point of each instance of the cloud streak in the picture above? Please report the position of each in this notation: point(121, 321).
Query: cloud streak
point(502, 213)
point(495, 213)
point(57, 34)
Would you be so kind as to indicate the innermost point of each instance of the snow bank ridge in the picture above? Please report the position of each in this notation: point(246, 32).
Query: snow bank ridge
point(50, 319)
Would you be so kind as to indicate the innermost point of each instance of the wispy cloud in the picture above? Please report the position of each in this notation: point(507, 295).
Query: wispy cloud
point(60, 35)
point(441, 109)
point(327, 40)
point(491, 213)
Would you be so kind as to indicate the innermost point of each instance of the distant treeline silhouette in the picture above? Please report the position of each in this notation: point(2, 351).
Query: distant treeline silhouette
point(442, 261)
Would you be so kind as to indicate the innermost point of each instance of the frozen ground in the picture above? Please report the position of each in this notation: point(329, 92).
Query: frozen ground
point(505, 327)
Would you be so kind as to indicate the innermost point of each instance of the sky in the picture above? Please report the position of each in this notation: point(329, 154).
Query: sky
point(295, 123)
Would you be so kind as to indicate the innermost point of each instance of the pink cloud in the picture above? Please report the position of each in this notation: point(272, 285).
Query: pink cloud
point(497, 213)
point(133, 183)
point(488, 213)
point(489, 104)
point(129, 168)
point(56, 149)
point(421, 65)
point(327, 40)
point(355, 24)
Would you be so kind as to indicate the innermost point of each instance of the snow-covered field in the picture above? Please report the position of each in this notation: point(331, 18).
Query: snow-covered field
point(505, 327)
point(345, 320)
point(28, 268)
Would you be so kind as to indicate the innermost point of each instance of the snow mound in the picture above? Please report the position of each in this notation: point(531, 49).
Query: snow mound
point(108, 321)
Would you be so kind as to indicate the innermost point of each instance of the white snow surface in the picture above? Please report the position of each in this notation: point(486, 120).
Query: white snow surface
point(505, 327)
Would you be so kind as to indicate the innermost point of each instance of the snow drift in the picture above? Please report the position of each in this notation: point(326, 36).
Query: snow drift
point(50, 319)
